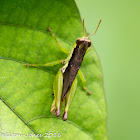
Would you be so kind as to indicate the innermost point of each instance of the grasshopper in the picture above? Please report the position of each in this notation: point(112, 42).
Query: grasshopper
point(65, 81)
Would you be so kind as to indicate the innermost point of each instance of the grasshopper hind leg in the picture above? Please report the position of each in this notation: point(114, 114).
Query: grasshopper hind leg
point(68, 99)
point(57, 90)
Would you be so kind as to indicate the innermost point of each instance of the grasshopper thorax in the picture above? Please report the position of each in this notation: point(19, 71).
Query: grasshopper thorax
point(83, 40)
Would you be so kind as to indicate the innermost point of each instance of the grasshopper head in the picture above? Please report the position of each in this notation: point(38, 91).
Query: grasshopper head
point(83, 40)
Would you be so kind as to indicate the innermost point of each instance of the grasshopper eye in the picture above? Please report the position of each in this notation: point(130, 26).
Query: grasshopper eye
point(78, 41)
point(89, 44)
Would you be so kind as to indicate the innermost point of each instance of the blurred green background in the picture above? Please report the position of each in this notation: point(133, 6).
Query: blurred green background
point(117, 43)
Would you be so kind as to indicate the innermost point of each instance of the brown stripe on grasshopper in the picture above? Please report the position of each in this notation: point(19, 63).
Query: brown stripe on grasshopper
point(74, 64)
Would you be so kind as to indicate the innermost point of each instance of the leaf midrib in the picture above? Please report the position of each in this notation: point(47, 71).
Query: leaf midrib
point(39, 117)
point(19, 116)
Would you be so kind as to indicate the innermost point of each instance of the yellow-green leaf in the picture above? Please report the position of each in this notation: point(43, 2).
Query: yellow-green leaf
point(25, 92)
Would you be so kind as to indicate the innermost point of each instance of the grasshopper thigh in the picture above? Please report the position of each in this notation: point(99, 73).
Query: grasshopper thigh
point(57, 89)
point(69, 98)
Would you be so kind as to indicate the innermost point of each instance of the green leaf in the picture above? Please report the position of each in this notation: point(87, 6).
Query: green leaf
point(25, 92)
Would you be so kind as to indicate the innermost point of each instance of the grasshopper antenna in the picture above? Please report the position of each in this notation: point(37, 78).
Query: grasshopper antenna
point(96, 29)
point(83, 27)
